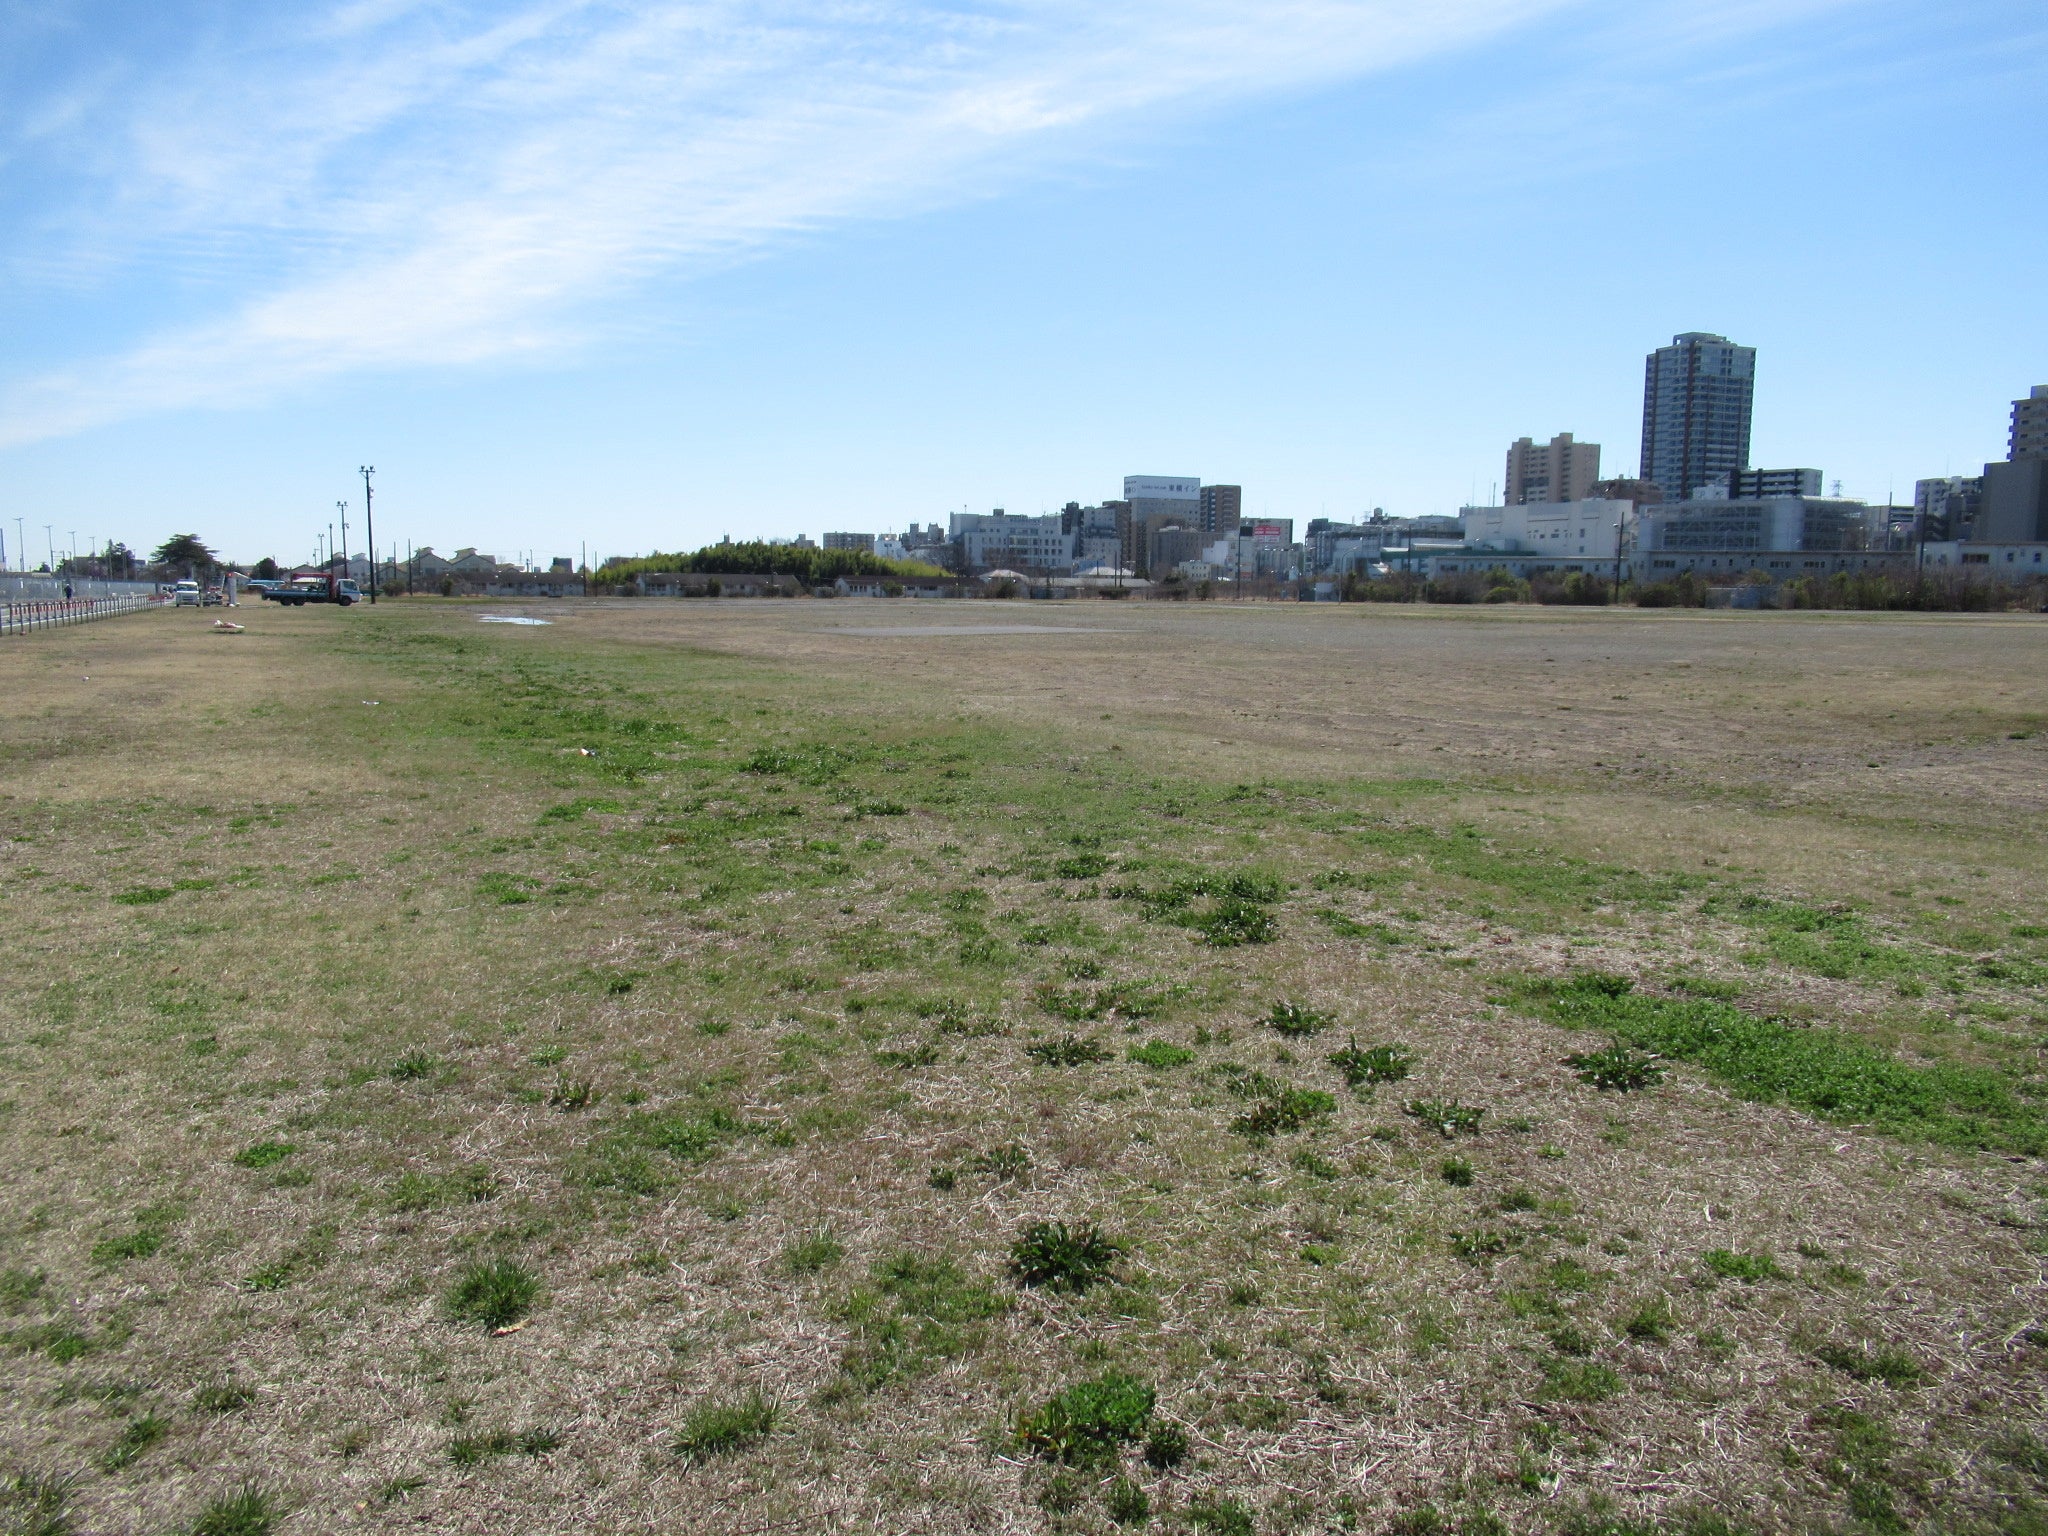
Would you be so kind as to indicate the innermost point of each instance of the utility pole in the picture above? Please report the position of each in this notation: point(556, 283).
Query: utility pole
point(343, 507)
point(370, 523)
point(50, 545)
point(330, 551)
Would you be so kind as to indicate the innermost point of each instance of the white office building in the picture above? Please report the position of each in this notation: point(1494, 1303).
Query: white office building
point(997, 541)
point(1565, 530)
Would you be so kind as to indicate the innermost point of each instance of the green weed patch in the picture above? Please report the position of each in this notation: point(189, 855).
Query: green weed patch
point(915, 1311)
point(1825, 1071)
point(1090, 1422)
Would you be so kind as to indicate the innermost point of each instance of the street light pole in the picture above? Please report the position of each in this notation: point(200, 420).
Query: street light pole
point(370, 522)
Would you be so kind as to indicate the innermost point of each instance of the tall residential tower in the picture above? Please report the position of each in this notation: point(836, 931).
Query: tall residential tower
point(1696, 401)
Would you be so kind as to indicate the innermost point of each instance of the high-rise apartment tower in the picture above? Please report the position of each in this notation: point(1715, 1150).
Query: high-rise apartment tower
point(1697, 394)
point(2014, 509)
point(2029, 439)
point(1222, 509)
point(1560, 470)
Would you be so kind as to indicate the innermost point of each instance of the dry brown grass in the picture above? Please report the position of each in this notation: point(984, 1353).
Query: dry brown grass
point(146, 1045)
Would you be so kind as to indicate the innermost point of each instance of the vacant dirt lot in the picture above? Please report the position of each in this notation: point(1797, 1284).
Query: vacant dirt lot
point(743, 1066)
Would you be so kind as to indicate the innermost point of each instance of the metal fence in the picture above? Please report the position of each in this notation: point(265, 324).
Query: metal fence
point(20, 618)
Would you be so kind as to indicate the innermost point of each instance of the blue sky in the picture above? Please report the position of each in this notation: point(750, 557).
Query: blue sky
point(642, 273)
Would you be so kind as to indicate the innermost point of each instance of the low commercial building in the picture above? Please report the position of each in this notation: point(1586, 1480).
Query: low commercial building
point(2009, 561)
point(1755, 484)
point(715, 584)
point(1729, 565)
point(1557, 530)
point(1786, 524)
point(1037, 545)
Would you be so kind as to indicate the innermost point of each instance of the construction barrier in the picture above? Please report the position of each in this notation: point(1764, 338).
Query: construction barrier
point(20, 618)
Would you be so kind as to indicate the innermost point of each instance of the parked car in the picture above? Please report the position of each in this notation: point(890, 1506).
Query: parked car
point(186, 594)
point(213, 597)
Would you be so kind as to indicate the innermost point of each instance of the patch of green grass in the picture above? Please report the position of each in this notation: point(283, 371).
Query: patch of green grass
point(1456, 1171)
point(293, 1264)
point(492, 1294)
point(1232, 922)
point(1890, 1365)
point(1825, 941)
point(1618, 1068)
point(144, 1242)
point(1127, 1503)
point(1566, 1380)
point(223, 1397)
point(264, 1154)
point(1296, 1020)
point(727, 1427)
point(1167, 1446)
point(811, 1253)
point(1217, 1515)
point(472, 1450)
point(1160, 1054)
point(1004, 1163)
point(1749, 1268)
point(622, 1157)
point(1651, 1322)
point(923, 1054)
point(1067, 1051)
point(36, 1504)
point(1447, 1117)
point(60, 1342)
point(1277, 1108)
point(136, 1437)
point(1052, 1255)
point(1117, 999)
point(914, 1311)
point(414, 1067)
point(1089, 1422)
point(1315, 1167)
point(1822, 1070)
point(576, 810)
point(248, 1511)
point(571, 1094)
point(1372, 1065)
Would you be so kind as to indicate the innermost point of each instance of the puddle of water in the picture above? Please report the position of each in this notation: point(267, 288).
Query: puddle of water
point(509, 618)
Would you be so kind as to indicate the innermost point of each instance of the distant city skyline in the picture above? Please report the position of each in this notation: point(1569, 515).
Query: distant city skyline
point(572, 277)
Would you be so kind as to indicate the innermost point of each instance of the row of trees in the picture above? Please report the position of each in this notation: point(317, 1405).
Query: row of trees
point(181, 556)
point(813, 567)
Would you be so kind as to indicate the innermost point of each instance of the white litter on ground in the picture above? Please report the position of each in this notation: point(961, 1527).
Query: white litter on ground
point(509, 618)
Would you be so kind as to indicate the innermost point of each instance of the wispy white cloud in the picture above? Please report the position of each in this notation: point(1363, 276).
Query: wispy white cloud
point(408, 183)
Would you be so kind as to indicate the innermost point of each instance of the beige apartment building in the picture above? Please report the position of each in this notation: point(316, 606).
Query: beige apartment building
point(1559, 470)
